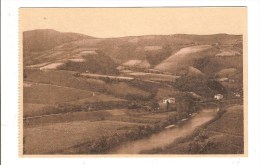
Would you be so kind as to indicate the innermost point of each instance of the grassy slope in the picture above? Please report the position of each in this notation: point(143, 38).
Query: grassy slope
point(200, 57)
point(95, 63)
point(66, 79)
point(186, 57)
point(227, 72)
point(55, 137)
point(36, 41)
point(44, 39)
point(222, 136)
point(60, 133)
point(49, 45)
point(51, 94)
point(45, 90)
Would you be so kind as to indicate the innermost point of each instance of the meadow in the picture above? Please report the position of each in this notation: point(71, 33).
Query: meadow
point(69, 130)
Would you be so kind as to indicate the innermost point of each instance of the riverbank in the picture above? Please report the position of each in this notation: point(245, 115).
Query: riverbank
point(145, 137)
point(222, 135)
point(106, 144)
point(121, 131)
point(167, 135)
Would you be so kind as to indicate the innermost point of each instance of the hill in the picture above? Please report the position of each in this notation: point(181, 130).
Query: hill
point(227, 72)
point(202, 57)
point(167, 53)
point(44, 39)
point(185, 57)
point(92, 63)
point(37, 41)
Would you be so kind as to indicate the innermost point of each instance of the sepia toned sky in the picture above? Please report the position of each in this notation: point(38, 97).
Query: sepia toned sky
point(117, 22)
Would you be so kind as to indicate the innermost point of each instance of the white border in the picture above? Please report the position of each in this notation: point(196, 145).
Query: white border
point(9, 82)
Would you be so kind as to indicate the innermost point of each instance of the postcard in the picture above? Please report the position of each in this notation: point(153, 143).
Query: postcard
point(166, 81)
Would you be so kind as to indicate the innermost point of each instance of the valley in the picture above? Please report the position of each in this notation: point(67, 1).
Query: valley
point(87, 95)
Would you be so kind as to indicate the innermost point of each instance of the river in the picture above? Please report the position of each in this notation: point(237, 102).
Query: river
point(167, 136)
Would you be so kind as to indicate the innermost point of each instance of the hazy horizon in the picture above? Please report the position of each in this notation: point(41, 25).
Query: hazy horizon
point(122, 22)
point(135, 35)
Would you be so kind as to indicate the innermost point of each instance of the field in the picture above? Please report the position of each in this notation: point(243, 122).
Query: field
point(52, 94)
point(71, 129)
point(42, 99)
point(62, 78)
point(57, 137)
point(62, 111)
point(184, 57)
point(66, 112)
point(89, 82)
point(32, 109)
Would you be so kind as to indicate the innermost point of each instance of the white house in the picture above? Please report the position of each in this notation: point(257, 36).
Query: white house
point(167, 104)
point(169, 100)
point(218, 96)
point(237, 94)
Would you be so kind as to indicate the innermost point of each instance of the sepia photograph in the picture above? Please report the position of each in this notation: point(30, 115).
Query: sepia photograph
point(167, 81)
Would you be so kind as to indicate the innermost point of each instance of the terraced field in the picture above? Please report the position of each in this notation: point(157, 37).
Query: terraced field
point(62, 132)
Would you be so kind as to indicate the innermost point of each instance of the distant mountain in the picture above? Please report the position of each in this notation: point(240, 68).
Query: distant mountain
point(45, 39)
point(156, 48)
point(205, 58)
point(175, 54)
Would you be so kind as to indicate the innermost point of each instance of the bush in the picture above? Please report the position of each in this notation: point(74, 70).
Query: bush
point(134, 106)
point(100, 145)
point(201, 144)
point(181, 115)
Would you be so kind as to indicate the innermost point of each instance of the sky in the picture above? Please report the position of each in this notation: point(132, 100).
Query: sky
point(118, 22)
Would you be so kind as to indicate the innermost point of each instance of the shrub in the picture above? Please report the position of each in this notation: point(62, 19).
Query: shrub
point(181, 115)
point(134, 106)
point(201, 144)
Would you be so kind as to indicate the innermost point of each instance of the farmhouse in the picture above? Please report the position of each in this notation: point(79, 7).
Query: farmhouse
point(218, 96)
point(167, 104)
point(169, 100)
point(237, 95)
